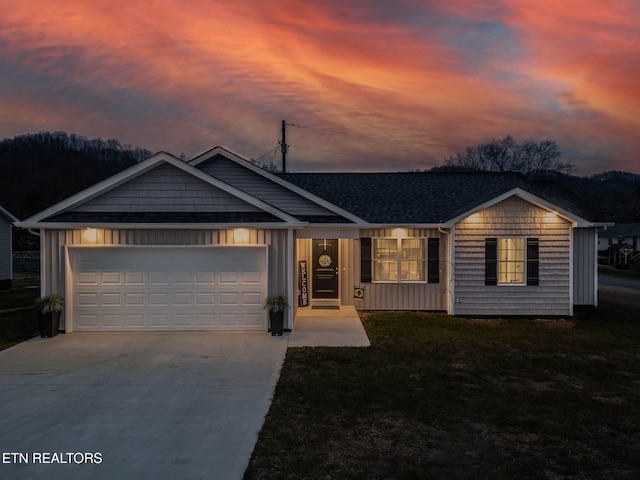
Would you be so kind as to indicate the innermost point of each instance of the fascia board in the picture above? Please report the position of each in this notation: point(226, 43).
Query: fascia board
point(158, 226)
point(140, 168)
point(527, 196)
point(401, 225)
point(274, 178)
point(6, 213)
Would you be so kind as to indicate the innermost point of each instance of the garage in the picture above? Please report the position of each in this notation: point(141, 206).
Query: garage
point(167, 288)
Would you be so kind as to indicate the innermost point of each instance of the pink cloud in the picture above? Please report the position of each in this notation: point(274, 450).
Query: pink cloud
point(398, 80)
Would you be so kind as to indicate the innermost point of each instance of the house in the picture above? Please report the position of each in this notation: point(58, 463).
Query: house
point(198, 245)
point(6, 250)
point(628, 233)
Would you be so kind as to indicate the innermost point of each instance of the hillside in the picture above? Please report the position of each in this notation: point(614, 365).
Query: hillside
point(38, 170)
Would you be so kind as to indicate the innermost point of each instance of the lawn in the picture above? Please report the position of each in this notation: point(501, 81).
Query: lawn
point(18, 320)
point(443, 398)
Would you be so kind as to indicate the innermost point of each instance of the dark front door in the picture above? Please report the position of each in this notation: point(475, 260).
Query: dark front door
point(325, 268)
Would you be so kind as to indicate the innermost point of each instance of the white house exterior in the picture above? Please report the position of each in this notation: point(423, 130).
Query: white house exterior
point(6, 251)
point(198, 245)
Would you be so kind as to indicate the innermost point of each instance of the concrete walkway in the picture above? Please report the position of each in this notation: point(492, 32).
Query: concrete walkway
point(328, 328)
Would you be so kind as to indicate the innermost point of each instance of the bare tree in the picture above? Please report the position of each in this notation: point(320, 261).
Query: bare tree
point(507, 155)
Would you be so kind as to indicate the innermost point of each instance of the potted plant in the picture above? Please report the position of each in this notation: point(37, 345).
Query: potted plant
point(275, 305)
point(49, 309)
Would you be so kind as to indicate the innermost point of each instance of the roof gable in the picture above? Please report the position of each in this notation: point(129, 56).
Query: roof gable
point(7, 214)
point(271, 188)
point(160, 184)
point(526, 196)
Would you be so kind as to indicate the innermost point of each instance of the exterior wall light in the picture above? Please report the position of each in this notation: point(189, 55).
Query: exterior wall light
point(241, 235)
point(90, 235)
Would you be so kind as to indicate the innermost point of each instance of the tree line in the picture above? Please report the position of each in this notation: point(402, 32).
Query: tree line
point(40, 169)
point(531, 158)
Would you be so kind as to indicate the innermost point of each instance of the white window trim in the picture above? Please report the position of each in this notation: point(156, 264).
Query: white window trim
point(398, 261)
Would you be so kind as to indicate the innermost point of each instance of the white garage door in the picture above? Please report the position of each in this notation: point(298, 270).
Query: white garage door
point(168, 288)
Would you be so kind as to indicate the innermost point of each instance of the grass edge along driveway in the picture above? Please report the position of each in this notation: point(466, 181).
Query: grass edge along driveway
point(440, 397)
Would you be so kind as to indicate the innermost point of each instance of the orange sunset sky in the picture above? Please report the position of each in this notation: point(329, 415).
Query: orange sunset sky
point(373, 85)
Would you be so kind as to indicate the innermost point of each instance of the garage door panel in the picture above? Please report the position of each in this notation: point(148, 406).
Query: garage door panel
point(159, 288)
point(134, 320)
point(134, 278)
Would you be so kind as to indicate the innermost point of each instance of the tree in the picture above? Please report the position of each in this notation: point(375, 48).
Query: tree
point(530, 158)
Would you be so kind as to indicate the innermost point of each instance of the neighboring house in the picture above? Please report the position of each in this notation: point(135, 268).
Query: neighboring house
point(6, 251)
point(198, 245)
point(620, 233)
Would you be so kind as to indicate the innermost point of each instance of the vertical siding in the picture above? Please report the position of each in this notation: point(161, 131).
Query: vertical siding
point(54, 241)
point(585, 267)
point(518, 218)
point(384, 296)
point(5, 249)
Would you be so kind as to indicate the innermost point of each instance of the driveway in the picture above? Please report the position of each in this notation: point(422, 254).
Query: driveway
point(180, 405)
point(614, 281)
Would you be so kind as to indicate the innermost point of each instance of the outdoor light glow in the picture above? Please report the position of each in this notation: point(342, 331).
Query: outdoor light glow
point(241, 235)
point(90, 235)
point(400, 233)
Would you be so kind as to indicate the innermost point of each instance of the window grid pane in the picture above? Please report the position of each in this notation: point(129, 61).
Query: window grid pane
point(412, 265)
point(511, 260)
point(399, 259)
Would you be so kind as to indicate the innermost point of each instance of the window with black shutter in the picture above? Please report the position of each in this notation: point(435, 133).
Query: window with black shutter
point(365, 260)
point(491, 261)
point(433, 260)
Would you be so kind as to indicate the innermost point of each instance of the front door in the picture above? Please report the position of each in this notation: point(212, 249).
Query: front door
point(325, 268)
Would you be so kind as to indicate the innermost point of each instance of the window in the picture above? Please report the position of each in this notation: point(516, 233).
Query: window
point(511, 261)
point(399, 260)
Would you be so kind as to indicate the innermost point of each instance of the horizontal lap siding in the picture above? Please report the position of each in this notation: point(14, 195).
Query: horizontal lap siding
point(513, 217)
point(260, 187)
point(53, 274)
point(167, 189)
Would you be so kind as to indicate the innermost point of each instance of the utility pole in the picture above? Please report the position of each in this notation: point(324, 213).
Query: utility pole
point(284, 147)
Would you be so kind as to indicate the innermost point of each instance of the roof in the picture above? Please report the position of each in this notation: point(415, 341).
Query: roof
point(425, 197)
point(621, 230)
point(7, 214)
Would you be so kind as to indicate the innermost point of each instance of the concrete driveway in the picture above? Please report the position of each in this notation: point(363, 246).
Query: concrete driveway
point(180, 405)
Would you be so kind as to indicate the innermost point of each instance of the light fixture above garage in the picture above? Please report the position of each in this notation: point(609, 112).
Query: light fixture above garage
point(240, 236)
point(90, 235)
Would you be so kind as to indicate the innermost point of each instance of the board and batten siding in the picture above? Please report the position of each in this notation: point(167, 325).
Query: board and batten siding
point(53, 243)
point(585, 267)
point(513, 217)
point(166, 189)
point(383, 296)
point(263, 188)
point(6, 255)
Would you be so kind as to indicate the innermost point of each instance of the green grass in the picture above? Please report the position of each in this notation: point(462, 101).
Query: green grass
point(438, 397)
point(18, 321)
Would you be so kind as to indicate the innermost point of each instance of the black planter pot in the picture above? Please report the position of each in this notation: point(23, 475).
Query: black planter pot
point(277, 323)
point(49, 324)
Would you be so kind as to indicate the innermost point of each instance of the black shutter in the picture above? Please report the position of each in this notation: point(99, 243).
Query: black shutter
point(365, 260)
point(490, 261)
point(533, 261)
point(433, 260)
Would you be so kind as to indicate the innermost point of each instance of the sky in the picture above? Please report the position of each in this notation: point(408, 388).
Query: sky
point(364, 85)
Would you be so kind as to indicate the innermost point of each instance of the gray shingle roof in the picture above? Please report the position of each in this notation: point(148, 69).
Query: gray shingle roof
point(424, 197)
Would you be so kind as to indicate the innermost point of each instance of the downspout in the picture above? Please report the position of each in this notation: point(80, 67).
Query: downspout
point(449, 290)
